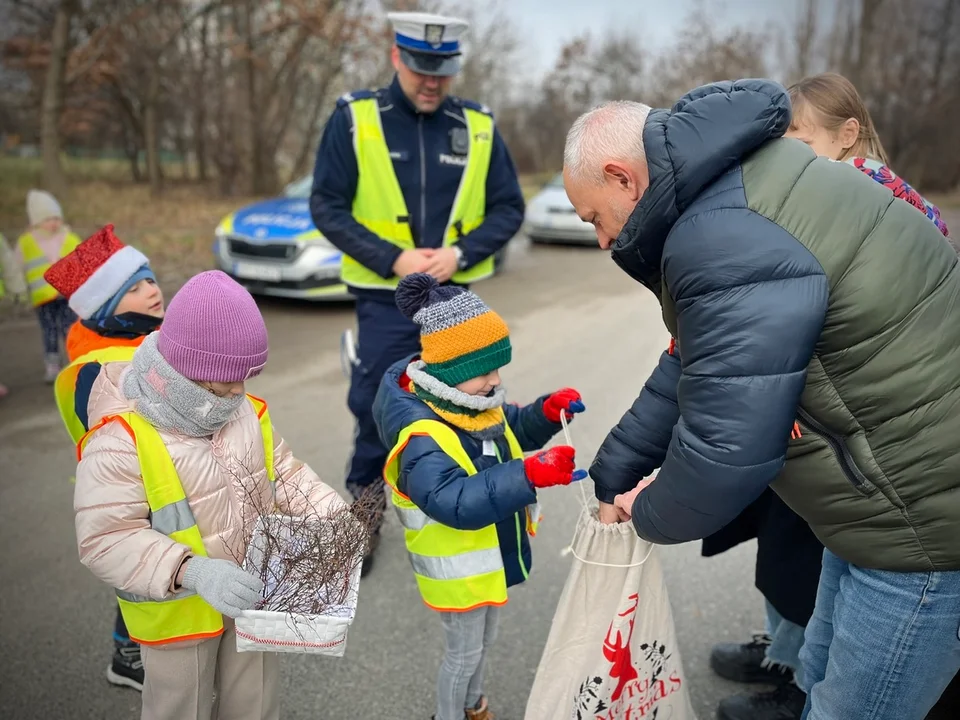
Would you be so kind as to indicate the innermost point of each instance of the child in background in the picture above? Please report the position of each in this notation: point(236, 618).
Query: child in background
point(12, 286)
point(112, 288)
point(166, 535)
point(830, 116)
point(461, 488)
point(47, 240)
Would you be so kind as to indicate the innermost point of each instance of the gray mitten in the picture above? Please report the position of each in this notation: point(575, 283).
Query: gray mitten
point(221, 583)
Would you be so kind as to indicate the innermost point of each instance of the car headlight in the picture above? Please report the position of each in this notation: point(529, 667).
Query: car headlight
point(320, 242)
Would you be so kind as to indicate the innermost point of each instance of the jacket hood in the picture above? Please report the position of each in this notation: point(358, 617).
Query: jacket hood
point(394, 408)
point(688, 147)
point(106, 397)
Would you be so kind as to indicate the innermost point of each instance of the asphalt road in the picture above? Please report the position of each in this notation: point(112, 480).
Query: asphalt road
point(575, 320)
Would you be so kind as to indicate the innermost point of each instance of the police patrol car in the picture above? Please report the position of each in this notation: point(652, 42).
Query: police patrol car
point(273, 248)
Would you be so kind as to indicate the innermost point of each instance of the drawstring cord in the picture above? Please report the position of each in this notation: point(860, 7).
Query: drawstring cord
point(585, 510)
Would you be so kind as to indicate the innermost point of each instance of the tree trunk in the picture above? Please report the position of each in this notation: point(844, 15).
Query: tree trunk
point(865, 41)
point(151, 132)
point(251, 113)
point(200, 128)
point(805, 38)
point(132, 149)
point(53, 176)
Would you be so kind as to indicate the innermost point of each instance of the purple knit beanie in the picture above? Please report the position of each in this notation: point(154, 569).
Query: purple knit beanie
point(213, 331)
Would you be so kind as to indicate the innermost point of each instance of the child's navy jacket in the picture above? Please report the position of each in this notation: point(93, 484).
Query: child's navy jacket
point(443, 490)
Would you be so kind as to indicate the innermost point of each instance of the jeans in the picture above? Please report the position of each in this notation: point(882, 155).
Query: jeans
point(55, 317)
point(468, 637)
point(786, 641)
point(880, 645)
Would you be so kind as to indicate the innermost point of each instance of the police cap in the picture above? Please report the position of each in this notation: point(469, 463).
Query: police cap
point(429, 44)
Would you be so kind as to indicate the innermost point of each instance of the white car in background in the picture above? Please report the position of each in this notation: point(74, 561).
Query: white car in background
point(551, 218)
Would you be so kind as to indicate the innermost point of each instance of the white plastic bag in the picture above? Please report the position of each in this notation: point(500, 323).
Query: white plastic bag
point(269, 631)
point(612, 651)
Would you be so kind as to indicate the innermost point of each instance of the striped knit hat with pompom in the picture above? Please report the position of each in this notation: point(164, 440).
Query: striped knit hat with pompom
point(461, 337)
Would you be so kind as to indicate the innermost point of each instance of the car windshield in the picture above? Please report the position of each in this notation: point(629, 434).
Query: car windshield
point(299, 188)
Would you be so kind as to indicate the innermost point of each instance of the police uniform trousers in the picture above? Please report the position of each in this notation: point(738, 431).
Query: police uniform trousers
point(210, 681)
point(385, 336)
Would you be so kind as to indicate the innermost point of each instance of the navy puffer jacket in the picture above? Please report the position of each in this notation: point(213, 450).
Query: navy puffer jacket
point(691, 233)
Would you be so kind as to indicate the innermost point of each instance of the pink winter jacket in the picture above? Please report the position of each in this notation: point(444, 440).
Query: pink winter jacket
point(114, 535)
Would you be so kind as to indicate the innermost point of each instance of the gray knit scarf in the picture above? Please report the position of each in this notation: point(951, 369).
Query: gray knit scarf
point(168, 400)
point(477, 415)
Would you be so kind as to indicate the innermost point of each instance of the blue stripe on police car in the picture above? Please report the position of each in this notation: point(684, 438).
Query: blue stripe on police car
point(272, 220)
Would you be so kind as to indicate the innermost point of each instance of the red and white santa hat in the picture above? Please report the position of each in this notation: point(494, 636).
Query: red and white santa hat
point(91, 275)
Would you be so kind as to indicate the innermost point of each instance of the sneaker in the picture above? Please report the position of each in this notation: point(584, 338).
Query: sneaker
point(784, 703)
point(51, 369)
point(748, 663)
point(126, 670)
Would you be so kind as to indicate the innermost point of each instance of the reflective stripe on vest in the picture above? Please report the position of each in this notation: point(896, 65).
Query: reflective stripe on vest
point(65, 387)
point(36, 263)
point(456, 570)
point(379, 206)
point(184, 616)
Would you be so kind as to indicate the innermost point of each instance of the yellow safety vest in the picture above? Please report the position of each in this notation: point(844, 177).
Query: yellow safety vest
point(65, 387)
point(185, 616)
point(379, 205)
point(36, 263)
point(456, 570)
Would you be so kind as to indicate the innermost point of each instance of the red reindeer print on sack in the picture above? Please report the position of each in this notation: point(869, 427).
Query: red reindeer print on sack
point(617, 651)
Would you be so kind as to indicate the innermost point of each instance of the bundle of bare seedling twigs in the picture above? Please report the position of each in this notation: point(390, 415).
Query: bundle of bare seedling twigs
point(306, 561)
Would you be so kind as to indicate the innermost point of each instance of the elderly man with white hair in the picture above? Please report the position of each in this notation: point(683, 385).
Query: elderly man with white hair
point(816, 326)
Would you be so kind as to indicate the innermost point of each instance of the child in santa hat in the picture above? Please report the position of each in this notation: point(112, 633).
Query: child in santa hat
point(47, 240)
point(111, 287)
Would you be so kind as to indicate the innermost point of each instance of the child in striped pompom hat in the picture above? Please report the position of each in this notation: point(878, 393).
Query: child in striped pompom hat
point(461, 487)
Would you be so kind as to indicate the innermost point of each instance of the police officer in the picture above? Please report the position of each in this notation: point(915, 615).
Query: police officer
point(409, 179)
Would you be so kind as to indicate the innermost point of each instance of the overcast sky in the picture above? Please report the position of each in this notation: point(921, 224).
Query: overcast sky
point(547, 24)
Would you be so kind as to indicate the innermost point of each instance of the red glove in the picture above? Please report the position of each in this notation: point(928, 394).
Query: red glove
point(553, 467)
point(566, 400)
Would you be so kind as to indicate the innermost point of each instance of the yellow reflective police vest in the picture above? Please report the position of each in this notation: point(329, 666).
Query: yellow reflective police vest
point(65, 387)
point(456, 570)
point(36, 263)
point(186, 616)
point(379, 205)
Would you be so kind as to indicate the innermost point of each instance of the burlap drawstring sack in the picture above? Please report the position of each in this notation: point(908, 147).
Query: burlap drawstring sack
point(612, 650)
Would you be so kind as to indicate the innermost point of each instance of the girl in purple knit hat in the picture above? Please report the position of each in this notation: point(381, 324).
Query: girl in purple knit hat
point(172, 473)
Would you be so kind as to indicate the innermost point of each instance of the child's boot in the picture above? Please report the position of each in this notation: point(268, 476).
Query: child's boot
point(126, 669)
point(51, 367)
point(481, 711)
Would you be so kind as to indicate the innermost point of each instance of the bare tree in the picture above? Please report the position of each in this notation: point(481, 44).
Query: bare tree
point(53, 177)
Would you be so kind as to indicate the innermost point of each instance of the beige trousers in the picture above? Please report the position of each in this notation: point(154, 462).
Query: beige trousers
point(180, 683)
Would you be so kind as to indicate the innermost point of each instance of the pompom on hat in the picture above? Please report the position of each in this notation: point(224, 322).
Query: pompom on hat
point(97, 272)
point(461, 337)
point(213, 331)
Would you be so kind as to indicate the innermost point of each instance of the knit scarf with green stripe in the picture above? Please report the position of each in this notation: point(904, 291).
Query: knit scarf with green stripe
point(480, 417)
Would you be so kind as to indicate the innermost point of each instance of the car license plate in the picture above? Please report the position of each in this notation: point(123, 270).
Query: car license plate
point(252, 271)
